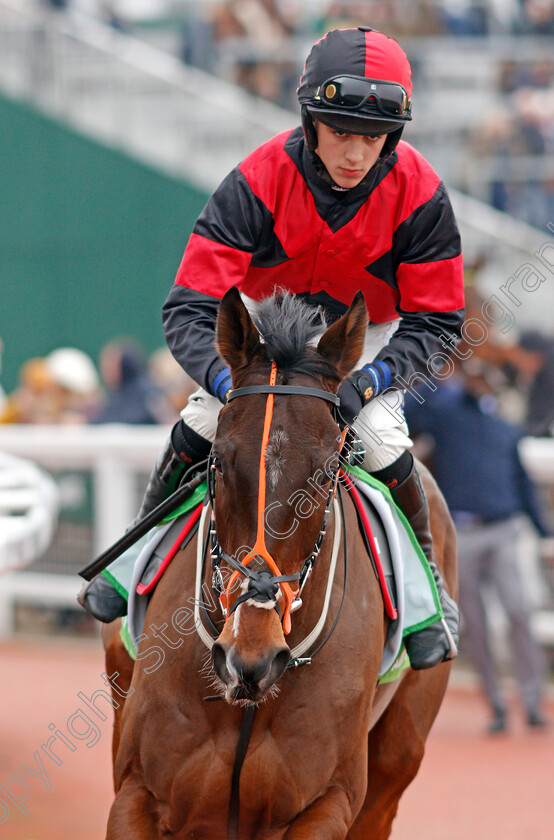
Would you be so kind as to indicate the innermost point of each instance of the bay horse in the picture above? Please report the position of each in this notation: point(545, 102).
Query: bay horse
point(330, 751)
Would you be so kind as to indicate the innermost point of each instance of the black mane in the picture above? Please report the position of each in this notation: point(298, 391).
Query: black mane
point(288, 328)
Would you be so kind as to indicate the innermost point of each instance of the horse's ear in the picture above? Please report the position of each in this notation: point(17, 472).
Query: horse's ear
point(236, 336)
point(343, 343)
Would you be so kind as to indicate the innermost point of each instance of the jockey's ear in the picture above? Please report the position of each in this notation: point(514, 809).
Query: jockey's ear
point(343, 343)
point(237, 338)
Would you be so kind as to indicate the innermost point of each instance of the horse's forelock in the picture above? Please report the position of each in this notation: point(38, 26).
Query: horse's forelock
point(289, 329)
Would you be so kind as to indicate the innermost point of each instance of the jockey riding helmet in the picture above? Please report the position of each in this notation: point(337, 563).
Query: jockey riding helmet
point(357, 81)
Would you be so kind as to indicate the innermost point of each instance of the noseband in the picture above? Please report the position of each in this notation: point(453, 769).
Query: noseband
point(263, 586)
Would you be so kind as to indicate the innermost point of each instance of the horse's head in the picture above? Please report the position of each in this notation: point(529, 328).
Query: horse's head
point(275, 459)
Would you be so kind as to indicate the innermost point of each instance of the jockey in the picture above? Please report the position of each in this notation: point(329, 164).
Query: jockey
point(334, 206)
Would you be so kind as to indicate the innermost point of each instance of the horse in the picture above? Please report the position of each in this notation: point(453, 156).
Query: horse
point(330, 751)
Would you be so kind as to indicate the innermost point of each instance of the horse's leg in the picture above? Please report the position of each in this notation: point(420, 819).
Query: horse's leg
point(133, 814)
point(395, 749)
point(329, 816)
point(119, 667)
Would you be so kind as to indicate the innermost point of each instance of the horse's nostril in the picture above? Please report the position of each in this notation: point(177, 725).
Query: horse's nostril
point(280, 662)
point(248, 672)
point(219, 657)
point(267, 668)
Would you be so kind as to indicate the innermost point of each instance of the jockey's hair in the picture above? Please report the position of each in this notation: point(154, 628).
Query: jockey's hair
point(289, 328)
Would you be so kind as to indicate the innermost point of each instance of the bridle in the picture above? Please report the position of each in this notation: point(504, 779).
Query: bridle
point(263, 586)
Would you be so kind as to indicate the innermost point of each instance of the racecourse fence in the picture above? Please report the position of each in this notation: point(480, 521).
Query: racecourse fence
point(101, 473)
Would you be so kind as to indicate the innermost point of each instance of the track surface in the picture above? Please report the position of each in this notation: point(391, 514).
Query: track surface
point(471, 786)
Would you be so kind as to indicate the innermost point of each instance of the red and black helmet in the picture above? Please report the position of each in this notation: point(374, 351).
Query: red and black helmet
point(357, 81)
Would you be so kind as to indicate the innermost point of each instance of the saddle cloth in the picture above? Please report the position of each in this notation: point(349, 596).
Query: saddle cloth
point(413, 585)
point(408, 577)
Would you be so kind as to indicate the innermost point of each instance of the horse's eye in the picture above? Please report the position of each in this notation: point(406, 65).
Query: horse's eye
point(217, 465)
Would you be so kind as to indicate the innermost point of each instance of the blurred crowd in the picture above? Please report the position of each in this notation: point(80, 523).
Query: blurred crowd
point(468, 431)
point(257, 43)
point(512, 149)
point(506, 148)
point(65, 387)
point(519, 369)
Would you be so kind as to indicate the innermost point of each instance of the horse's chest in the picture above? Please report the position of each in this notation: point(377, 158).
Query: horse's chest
point(280, 778)
point(195, 800)
point(269, 798)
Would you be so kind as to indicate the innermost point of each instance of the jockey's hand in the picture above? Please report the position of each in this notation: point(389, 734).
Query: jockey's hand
point(358, 390)
point(351, 403)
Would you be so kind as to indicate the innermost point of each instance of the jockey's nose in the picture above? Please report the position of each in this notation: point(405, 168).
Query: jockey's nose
point(253, 676)
point(354, 149)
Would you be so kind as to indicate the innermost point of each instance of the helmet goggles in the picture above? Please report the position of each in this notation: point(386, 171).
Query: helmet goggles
point(388, 99)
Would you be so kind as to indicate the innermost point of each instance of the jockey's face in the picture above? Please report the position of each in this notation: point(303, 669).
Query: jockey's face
point(347, 157)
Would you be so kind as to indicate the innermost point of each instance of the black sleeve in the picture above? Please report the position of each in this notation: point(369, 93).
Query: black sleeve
point(226, 233)
point(419, 336)
point(189, 323)
point(430, 237)
point(430, 233)
point(234, 215)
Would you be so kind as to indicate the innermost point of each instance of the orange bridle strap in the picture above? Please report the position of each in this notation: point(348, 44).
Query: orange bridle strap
point(260, 549)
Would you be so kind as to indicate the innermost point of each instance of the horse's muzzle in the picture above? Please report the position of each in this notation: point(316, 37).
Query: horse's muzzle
point(248, 679)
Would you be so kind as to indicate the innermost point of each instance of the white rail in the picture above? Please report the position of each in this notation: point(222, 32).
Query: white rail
point(537, 455)
point(28, 512)
point(114, 453)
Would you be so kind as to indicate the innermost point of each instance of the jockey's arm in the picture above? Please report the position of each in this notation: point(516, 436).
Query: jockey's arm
point(428, 273)
point(189, 319)
point(422, 343)
point(217, 257)
point(429, 276)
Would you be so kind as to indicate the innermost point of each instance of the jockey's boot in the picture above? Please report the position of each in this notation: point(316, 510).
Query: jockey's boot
point(183, 449)
point(438, 642)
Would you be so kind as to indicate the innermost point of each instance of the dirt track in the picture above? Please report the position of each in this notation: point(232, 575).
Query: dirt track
point(470, 787)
